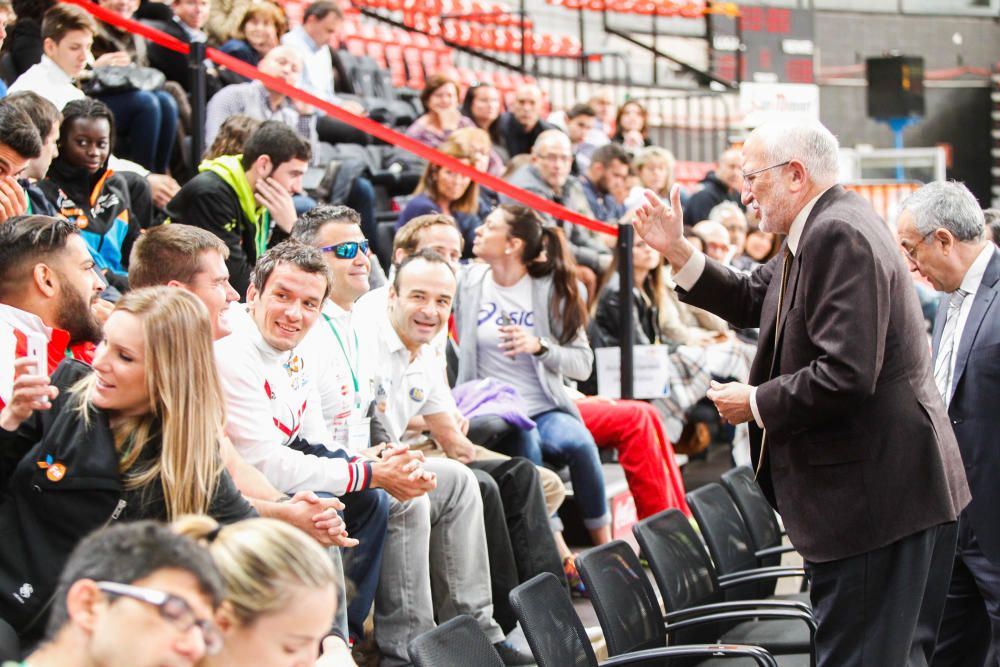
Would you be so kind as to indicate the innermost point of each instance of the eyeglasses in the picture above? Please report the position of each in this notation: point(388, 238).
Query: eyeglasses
point(555, 157)
point(910, 250)
point(347, 249)
point(748, 176)
point(172, 608)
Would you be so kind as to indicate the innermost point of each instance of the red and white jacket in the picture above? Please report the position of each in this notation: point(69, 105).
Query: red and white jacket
point(270, 401)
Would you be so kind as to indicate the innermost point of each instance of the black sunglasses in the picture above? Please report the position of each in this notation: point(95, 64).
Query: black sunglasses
point(347, 249)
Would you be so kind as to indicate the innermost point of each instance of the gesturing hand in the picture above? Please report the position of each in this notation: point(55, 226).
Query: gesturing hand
point(659, 224)
point(514, 339)
point(278, 201)
point(30, 392)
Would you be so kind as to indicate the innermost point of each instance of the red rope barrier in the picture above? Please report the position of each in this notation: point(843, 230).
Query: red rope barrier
point(360, 122)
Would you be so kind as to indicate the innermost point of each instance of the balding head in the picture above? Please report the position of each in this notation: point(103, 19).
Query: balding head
point(282, 62)
point(527, 107)
point(805, 140)
point(552, 155)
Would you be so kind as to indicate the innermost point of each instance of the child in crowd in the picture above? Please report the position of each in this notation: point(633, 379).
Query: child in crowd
point(85, 191)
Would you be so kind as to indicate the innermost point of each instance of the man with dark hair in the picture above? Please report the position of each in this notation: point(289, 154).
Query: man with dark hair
point(187, 25)
point(46, 118)
point(607, 173)
point(48, 287)
point(580, 120)
point(19, 143)
point(247, 201)
point(133, 594)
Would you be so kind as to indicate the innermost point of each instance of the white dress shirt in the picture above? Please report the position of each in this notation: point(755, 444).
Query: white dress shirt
point(692, 270)
point(50, 81)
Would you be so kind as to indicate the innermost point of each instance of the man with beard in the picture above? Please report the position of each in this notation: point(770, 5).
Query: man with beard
point(48, 287)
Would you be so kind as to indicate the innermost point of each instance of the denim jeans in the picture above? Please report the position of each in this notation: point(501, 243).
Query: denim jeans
point(149, 120)
point(435, 563)
point(562, 440)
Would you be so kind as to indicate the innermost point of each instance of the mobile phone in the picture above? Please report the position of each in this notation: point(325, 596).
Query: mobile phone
point(37, 350)
point(505, 320)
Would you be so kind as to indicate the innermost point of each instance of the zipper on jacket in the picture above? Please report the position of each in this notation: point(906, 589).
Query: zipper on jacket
point(119, 508)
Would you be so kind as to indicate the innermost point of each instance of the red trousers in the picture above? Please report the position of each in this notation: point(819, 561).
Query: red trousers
point(644, 452)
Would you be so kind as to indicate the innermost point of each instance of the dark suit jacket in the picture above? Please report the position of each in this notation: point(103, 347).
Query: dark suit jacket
point(859, 450)
point(174, 65)
point(973, 411)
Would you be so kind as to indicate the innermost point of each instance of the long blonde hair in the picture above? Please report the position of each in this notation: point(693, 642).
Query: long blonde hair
point(262, 561)
point(185, 401)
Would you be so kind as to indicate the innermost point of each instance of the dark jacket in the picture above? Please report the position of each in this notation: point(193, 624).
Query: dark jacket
point(859, 451)
point(516, 139)
point(174, 65)
point(60, 481)
point(220, 200)
point(101, 207)
point(24, 43)
point(712, 193)
point(38, 203)
point(973, 411)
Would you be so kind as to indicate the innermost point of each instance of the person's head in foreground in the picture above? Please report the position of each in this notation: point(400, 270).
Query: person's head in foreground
point(190, 258)
point(133, 595)
point(286, 293)
point(280, 591)
point(940, 229)
point(785, 165)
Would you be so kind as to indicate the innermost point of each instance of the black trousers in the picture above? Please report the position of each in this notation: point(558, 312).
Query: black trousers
point(970, 629)
point(883, 608)
point(518, 536)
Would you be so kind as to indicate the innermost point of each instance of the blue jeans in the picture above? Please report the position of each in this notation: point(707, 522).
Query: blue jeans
point(563, 440)
point(149, 120)
point(366, 514)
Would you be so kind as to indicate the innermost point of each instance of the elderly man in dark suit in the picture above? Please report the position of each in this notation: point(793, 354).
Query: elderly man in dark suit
point(940, 228)
point(849, 436)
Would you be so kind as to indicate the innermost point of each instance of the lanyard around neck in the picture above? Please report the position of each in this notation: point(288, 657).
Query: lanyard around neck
point(347, 357)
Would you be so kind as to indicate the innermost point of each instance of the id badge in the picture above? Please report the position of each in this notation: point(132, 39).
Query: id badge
point(358, 433)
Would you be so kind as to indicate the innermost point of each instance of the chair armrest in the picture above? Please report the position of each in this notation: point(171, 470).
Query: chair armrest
point(750, 614)
point(773, 551)
point(759, 655)
point(735, 605)
point(759, 574)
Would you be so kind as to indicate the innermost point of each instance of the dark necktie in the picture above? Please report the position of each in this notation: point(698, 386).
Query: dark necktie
point(786, 267)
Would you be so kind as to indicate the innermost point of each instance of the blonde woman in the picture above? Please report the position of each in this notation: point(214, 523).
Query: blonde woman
point(135, 436)
point(280, 594)
point(655, 168)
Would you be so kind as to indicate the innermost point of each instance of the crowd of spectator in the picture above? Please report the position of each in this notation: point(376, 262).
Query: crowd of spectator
point(329, 437)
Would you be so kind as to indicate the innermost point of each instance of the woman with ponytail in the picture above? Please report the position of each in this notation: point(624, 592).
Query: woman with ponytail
point(280, 594)
point(134, 436)
point(521, 320)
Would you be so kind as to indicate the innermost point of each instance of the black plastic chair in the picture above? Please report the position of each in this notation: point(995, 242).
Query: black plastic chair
point(456, 643)
point(761, 522)
point(630, 615)
point(729, 542)
point(557, 637)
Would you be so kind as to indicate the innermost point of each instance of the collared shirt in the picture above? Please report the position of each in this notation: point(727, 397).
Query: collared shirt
point(254, 100)
point(970, 283)
point(317, 63)
point(194, 34)
point(695, 266)
point(604, 206)
point(404, 387)
point(50, 81)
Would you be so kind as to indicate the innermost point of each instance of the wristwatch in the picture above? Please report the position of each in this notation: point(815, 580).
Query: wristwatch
point(543, 347)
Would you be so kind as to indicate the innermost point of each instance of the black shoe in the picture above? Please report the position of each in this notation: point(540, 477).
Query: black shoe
point(511, 655)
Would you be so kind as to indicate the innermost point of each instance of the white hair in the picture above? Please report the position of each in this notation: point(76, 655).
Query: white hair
point(727, 208)
point(803, 139)
point(947, 204)
point(549, 137)
point(710, 229)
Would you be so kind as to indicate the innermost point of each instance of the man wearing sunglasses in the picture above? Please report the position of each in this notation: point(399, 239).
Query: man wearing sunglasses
point(849, 436)
point(135, 595)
